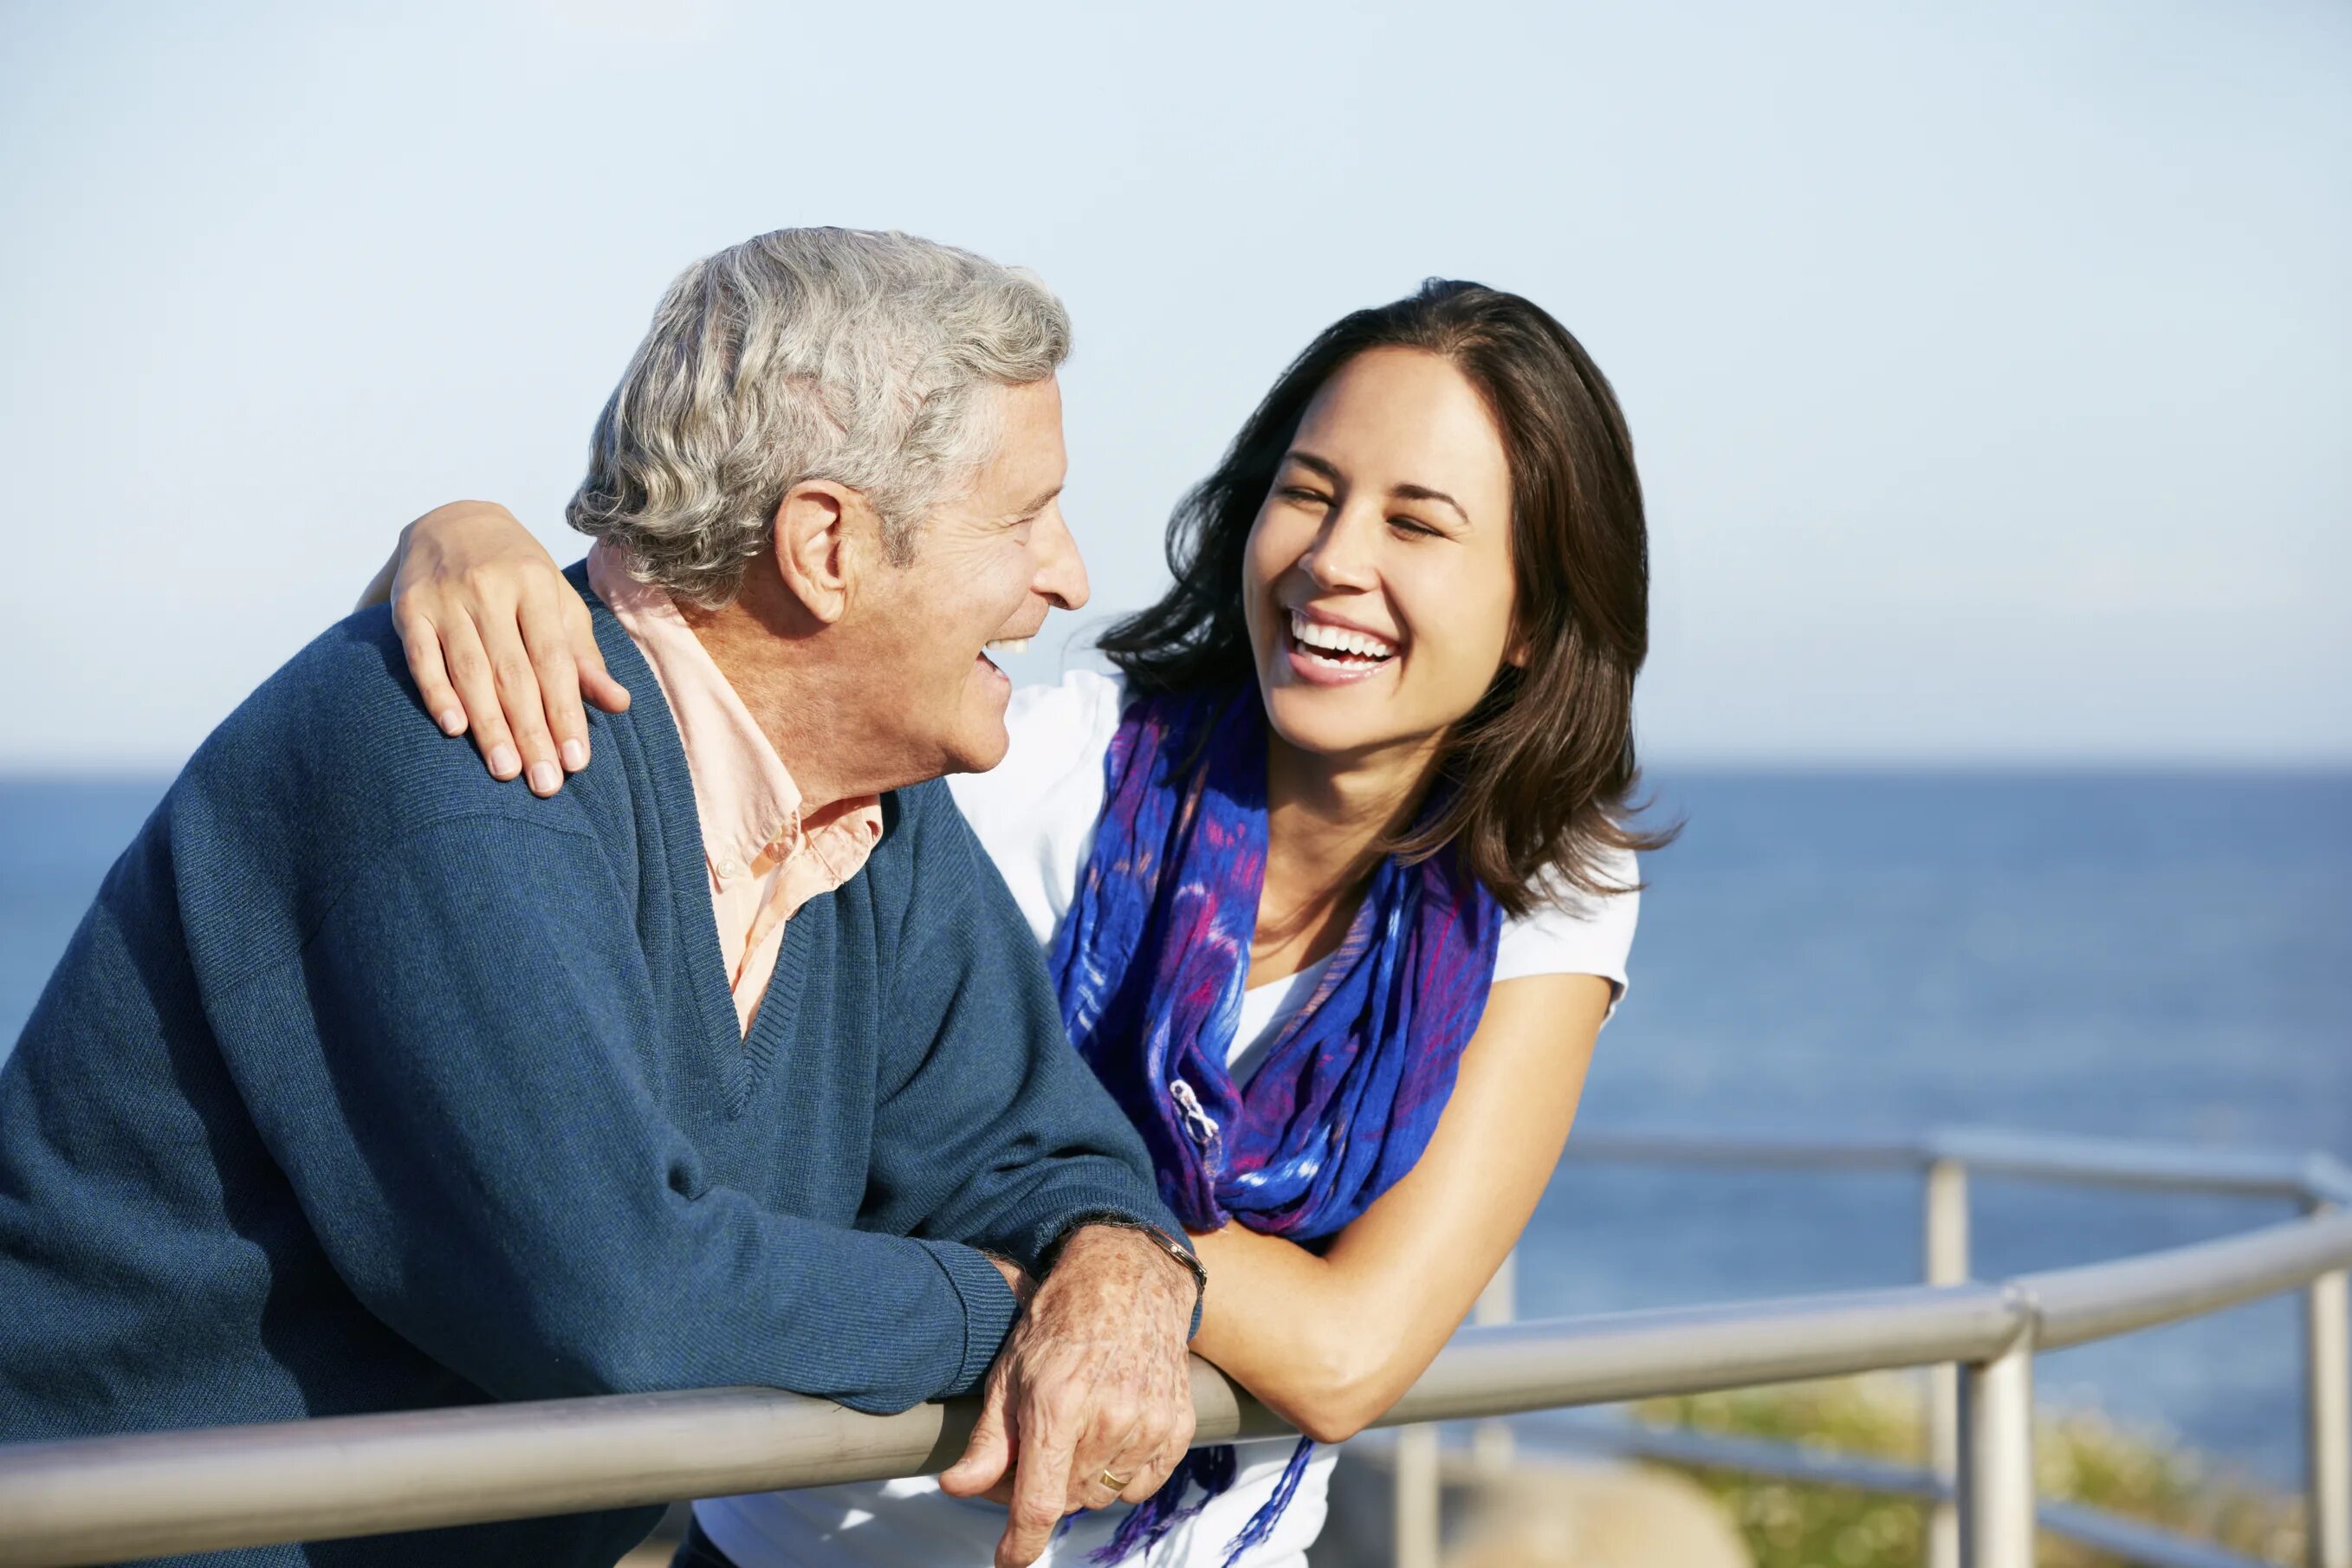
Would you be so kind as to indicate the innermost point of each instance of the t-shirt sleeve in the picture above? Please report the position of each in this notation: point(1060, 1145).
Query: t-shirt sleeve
point(1576, 933)
point(1034, 812)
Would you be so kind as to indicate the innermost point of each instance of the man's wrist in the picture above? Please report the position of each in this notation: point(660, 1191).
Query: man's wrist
point(1016, 1279)
point(1149, 1235)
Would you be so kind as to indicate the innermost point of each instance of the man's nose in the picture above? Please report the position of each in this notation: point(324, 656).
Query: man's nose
point(1061, 572)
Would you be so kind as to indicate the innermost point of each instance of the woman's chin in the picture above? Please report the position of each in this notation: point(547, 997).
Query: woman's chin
point(1326, 722)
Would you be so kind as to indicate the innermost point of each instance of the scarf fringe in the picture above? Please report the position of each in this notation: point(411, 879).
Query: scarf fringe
point(1213, 1470)
point(1261, 1525)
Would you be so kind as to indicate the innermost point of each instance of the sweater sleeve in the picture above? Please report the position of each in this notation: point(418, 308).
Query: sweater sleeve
point(996, 1133)
point(473, 1137)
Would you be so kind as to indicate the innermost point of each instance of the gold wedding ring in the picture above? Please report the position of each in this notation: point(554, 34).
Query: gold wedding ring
point(1115, 1483)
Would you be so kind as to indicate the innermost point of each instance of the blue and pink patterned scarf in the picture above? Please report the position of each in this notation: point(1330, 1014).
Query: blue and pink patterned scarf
point(1150, 964)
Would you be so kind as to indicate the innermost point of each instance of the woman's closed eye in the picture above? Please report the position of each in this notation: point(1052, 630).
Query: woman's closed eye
point(1303, 496)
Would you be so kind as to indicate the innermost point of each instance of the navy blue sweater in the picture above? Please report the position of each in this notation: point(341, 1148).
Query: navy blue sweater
point(371, 1084)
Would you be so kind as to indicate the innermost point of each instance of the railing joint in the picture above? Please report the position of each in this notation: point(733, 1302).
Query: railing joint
point(2326, 1181)
point(2023, 1303)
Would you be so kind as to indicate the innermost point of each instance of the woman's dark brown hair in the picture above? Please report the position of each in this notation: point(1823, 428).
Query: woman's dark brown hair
point(1540, 774)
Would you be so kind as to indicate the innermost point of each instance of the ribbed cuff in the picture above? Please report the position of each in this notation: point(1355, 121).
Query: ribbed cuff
point(1025, 1232)
point(989, 1307)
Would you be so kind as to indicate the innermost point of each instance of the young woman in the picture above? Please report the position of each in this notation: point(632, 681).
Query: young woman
point(1335, 876)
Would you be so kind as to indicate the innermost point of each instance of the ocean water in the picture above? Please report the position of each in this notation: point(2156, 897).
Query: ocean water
point(2141, 955)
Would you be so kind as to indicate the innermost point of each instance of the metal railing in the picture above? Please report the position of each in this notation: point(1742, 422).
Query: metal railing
point(2069, 1307)
point(105, 1500)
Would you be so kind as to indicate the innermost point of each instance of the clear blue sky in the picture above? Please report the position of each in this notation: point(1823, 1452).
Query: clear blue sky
point(1991, 364)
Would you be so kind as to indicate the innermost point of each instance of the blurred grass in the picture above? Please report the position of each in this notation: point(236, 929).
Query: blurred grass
point(2080, 1457)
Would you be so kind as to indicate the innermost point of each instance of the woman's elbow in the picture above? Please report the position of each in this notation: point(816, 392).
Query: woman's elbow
point(1344, 1394)
point(1333, 1423)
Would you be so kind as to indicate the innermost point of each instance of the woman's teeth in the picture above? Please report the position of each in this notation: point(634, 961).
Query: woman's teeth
point(1009, 644)
point(1338, 646)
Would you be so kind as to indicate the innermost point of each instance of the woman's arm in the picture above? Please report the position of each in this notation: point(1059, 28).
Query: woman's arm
point(1329, 1342)
point(497, 640)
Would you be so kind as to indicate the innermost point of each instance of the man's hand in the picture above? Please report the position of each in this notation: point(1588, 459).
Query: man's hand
point(1016, 1279)
point(1093, 1385)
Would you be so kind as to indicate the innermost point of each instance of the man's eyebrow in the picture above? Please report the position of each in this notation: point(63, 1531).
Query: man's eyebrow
point(1330, 471)
point(1041, 503)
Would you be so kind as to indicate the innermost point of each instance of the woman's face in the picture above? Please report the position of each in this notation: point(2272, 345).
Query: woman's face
point(1378, 585)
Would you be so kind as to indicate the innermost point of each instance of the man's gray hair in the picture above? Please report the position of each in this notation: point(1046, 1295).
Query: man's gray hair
point(876, 361)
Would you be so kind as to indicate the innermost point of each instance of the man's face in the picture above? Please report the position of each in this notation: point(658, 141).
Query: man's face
point(988, 566)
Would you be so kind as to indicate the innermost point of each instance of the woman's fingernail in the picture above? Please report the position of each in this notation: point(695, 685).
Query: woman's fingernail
point(544, 779)
point(451, 721)
point(504, 764)
point(575, 754)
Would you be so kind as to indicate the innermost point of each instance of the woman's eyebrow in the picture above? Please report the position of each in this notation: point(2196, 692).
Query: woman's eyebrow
point(1330, 470)
point(1323, 465)
point(1423, 492)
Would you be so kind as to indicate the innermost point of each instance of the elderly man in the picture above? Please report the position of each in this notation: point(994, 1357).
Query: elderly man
point(369, 1084)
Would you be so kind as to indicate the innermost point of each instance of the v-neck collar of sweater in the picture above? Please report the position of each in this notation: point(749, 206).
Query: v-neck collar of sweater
point(663, 751)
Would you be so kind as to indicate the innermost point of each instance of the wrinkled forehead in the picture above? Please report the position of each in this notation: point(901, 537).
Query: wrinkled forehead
point(1024, 470)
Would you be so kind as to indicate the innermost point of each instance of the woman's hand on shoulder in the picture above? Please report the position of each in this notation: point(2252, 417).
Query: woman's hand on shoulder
point(499, 644)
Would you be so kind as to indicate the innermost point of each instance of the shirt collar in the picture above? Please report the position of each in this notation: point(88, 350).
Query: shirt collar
point(749, 807)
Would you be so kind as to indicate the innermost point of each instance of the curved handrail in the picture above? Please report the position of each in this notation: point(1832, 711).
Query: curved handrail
point(100, 1499)
point(2029, 1156)
point(2101, 1300)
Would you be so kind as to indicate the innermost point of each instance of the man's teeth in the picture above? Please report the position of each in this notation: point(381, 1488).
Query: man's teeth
point(1336, 639)
point(1009, 644)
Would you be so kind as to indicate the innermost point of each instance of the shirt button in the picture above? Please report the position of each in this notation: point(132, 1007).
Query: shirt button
point(729, 870)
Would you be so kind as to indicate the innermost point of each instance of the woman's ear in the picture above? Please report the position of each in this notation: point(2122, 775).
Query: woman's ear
point(814, 545)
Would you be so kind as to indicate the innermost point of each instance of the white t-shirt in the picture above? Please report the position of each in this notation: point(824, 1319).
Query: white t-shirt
point(1035, 814)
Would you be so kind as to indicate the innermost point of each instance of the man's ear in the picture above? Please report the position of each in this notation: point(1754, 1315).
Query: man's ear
point(816, 541)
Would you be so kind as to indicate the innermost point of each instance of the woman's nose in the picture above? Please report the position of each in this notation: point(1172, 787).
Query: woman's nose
point(1341, 555)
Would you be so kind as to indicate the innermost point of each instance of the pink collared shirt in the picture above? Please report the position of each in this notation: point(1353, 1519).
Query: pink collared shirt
point(765, 858)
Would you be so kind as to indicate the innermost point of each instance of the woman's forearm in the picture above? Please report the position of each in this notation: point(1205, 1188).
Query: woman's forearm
point(1284, 1323)
point(1330, 1340)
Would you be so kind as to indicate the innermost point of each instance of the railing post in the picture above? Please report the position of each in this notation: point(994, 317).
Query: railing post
point(1490, 1445)
point(1419, 1493)
point(1419, 1487)
point(2327, 1407)
point(1947, 1255)
point(1996, 1478)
